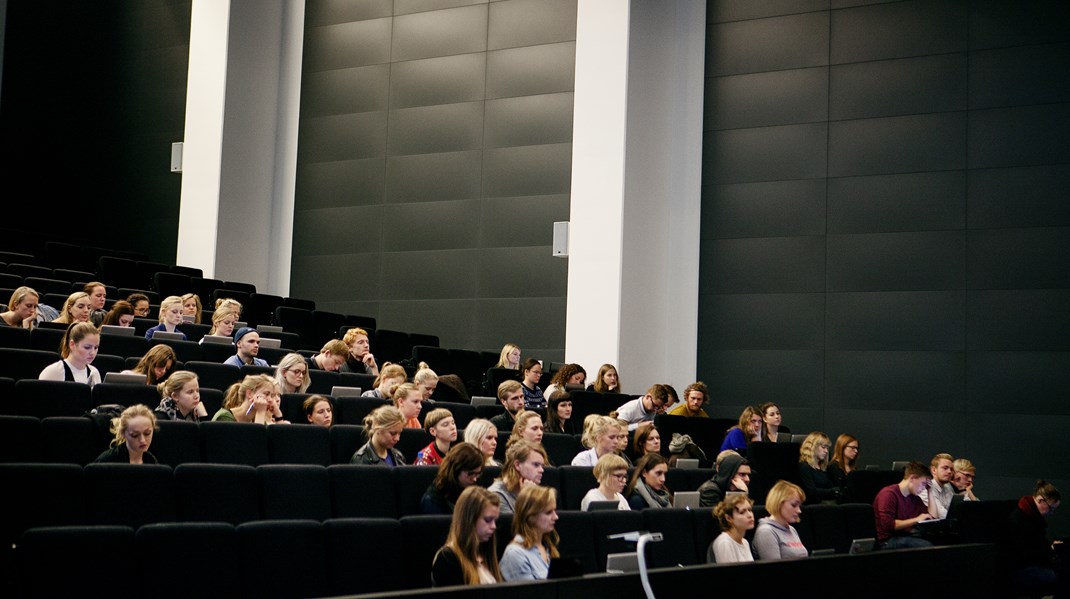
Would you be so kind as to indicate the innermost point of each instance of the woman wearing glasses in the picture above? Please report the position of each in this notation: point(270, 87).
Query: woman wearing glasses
point(844, 460)
point(813, 459)
point(612, 474)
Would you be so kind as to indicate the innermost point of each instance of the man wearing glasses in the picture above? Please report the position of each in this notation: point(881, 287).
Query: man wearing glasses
point(641, 411)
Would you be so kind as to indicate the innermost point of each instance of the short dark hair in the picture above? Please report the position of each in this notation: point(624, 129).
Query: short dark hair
point(916, 469)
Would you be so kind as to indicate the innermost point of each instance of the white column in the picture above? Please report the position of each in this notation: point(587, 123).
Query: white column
point(636, 190)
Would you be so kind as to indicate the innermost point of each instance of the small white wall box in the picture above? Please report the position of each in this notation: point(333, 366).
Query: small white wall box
point(176, 157)
point(560, 247)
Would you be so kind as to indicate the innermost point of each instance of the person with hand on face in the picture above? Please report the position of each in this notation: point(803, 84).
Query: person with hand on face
point(608, 380)
point(524, 465)
point(733, 474)
point(962, 480)
point(438, 423)
point(470, 555)
point(570, 374)
point(388, 380)
point(748, 430)
point(483, 434)
point(531, 373)
point(775, 538)
point(156, 364)
point(383, 430)
point(611, 471)
point(510, 357)
point(291, 374)
point(602, 436)
point(331, 357)
point(559, 414)
point(643, 409)
point(460, 469)
point(844, 460)
point(247, 343)
point(78, 349)
point(735, 515)
point(21, 309)
point(180, 398)
point(937, 496)
point(248, 401)
point(1030, 551)
point(319, 410)
point(647, 487)
point(98, 297)
point(813, 459)
point(695, 396)
point(528, 427)
point(170, 317)
point(409, 399)
point(140, 302)
point(511, 396)
point(133, 435)
point(360, 359)
point(897, 508)
point(534, 543)
point(75, 309)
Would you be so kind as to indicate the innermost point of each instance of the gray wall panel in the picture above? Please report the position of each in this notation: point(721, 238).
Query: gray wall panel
point(1029, 196)
point(521, 220)
point(544, 69)
point(444, 80)
point(428, 177)
point(1024, 75)
point(922, 84)
point(431, 129)
point(765, 154)
point(742, 10)
point(997, 381)
point(763, 265)
point(332, 12)
point(896, 261)
point(916, 381)
point(994, 23)
point(431, 226)
point(1019, 136)
point(1047, 444)
point(527, 170)
point(906, 202)
point(353, 44)
point(352, 277)
point(928, 142)
point(529, 120)
point(896, 320)
point(741, 377)
point(342, 137)
point(882, 438)
point(440, 33)
point(1019, 258)
point(404, 7)
point(343, 91)
point(539, 320)
point(542, 275)
point(342, 183)
point(331, 231)
point(898, 30)
point(761, 99)
point(1018, 320)
point(768, 209)
point(423, 275)
point(530, 22)
point(425, 316)
point(770, 44)
point(763, 321)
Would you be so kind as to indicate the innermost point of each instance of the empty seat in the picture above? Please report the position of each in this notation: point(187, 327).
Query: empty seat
point(365, 382)
point(204, 288)
point(466, 364)
point(106, 363)
point(42, 399)
point(299, 444)
point(352, 410)
point(72, 439)
point(20, 364)
point(20, 439)
point(678, 547)
point(194, 332)
point(219, 352)
point(497, 376)
point(246, 288)
point(275, 355)
point(322, 381)
point(576, 530)
point(362, 491)
point(250, 370)
point(422, 339)
point(47, 338)
point(290, 491)
point(290, 342)
point(156, 544)
point(64, 561)
point(261, 308)
point(423, 536)
point(120, 272)
point(462, 413)
point(296, 320)
point(14, 338)
point(296, 543)
point(575, 482)
point(10, 281)
point(325, 324)
point(391, 346)
point(40, 495)
point(411, 483)
point(146, 271)
point(126, 395)
point(224, 293)
point(234, 443)
point(176, 442)
point(436, 357)
point(188, 271)
point(355, 564)
point(129, 494)
point(345, 440)
point(44, 285)
point(296, 302)
point(217, 492)
point(28, 270)
point(561, 448)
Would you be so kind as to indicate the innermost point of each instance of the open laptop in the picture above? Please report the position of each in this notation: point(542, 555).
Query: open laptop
point(168, 336)
point(267, 328)
point(343, 391)
point(110, 329)
point(188, 318)
point(269, 342)
point(126, 378)
point(619, 563)
point(861, 546)
point(686, 499)
point(687, 463)
point(220, 339)
point(797, 437)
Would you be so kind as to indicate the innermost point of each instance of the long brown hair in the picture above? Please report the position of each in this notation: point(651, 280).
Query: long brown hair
point(530, 502)
point(463, 540)
point(837, 454)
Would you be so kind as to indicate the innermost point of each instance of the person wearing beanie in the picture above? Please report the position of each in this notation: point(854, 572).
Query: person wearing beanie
point(247, 340)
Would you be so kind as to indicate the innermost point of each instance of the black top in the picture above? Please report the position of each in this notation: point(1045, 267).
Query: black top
point(120, 455)
point(446, 569)
point(817, 484)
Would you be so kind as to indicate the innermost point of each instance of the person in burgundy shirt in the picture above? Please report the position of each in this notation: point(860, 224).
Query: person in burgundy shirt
point(897, 508)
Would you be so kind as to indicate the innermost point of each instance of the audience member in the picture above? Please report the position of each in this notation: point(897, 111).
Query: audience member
point(229, 303)
point(360, 360)
point(937, 496)
point(510, 357)
point(696, 395)
point(460, 468)
point(292, 374)
point(248, 400)
point(611, 471)
point(409, 399)
point(601, 437)
point(528, 427)
point(735, 515)
point(844, 460)
point(223, 323)
point(191, 306)
point(426, 380)
point(1032, 554)
point(180, 398)
point(570, 374)
point(140, 302)
point(749, 429)
point(732, 474)
point(897, 508)
point(559, 414)
point(962, 480)
point(773, 431)
point(511, 396)
point(529, 384)
point(608, 381)
point(247, 346)
point(534, 543)
point(156, 364)
point(133, 435)
point(524, 465)
point(21, 309)
point(275, 404)
point(470, 555)
point(438, 423)
point(647, 487)
point(382, 428)
point(75, 309)
point(98, 298)
point(813, 459)
point(319, 410)
point(484, 435)
point(120, 315)
point(170, 317)
point(646, 441)
point(386, 382)
point(775, 538)
point(643, 409)
point(78, 349)
point(331, 357)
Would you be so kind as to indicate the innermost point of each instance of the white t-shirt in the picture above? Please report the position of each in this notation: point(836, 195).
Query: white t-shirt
point(596, 495)
point(54, 372)
point(725, 550)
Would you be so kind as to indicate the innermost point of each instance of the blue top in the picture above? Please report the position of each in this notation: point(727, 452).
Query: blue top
point(162, 327)
point(736, 440)
point(533, 398)
point(236, 361)
point(518, 563)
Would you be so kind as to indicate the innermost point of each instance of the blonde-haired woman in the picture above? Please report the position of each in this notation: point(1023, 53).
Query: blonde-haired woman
point(248, 401)
point(813, 460)
point(292, 374)
point(223, 322)
point(21, 309)
point(133, 435)
point(534, 543)
point(524, 465)
point(388, 380)
point(611, 471)
point(510, 357)
point(528, 427)
point(191, 306)
point(483, 434)
point(470, 555)
point(602, 437)
point(775, 538)
point(75, 309)
point(426, 380)
point(170, 317)
point(180, 398)
point(409, 399)
point(383, 430)
point(78, 349)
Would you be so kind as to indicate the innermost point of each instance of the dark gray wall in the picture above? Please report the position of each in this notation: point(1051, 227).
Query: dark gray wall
point(435, 153)
point(886, 224)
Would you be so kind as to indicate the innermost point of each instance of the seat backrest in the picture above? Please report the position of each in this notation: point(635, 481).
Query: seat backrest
point(20, 439)
point(391, 346)
point(14, 338)
point(561, 448)
point(299, 544)
point(234, 443)
point(47, 285)
point(176, 442)
point(576, 530)
point(169, 283)
point(20, 364)
point(410, 484)
point(423, 536)
point(346, 439)
point(322, 381)
point(156, 544)
point(291, 491)
point(299, 444)
point(297, 320)
point(325, 324)
point(217, 493)
point(261, 308)
point(43, 399)
point(123, 345)
point(355, 561)
point(185, 351)
point(40, 495)
point(436, 357)
point(575, 482)
point(43, 552)
point(362, 491)
point(126, 395)
point(214, 375)
point(72, 439)
point(676, 525)
point(129, 494)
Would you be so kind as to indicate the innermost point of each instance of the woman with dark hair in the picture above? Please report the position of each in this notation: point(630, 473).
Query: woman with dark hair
point(120, 315)
point(570, 374)
point(529, 383)
point(98, 297)
point(608, 380)
point(559, 415)
point(735, 515)
point(319, 410)
point(772, 428)
point(647, 440)
point(647, 487)
point(156, 364)
point(78, 350)
point(844, 458)
point(460, 469)
point(470, 555)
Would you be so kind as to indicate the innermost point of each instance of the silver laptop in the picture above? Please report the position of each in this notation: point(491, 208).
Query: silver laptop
point(479, 400)
point(687, 463)
point(343, 391)
point(686, 499)
point(862, 546)
point(128, 378)
point(269, 342)
point(110, 329)
point(188, 318)
point(168, 336)
point(220, 339)
point(267, 328)
point(619, 563)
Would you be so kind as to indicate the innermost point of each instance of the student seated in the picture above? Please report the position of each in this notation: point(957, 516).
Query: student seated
point(426, 380)
point(98, 297)
point(247, 342)
point(78, 349)
point(748, 430)
point(438, 423)
point(772, 429)
point(844, 460)
point(511, 396)
point(170, 317)
point(386, 382)
point(937, 497)
point(647, 487)
point(696, 395)
point(732, 474)
point(461, 468)
point(529, 384)
point(559, 414)
point(644, 409)
point(331, 357)
point(191, 306)
point(611, 471)
point(602, 435)
point(775, 538)
point(534, 542)
point(510, 357)
point(962, 480)
point(608, 381)
point(1031, 553)
point(180, 398)
point(647, 440)
point(75, 309)
point(382, 428)
point(528, 427)
point(470, 555)
point(735, 516)
point(524, 465)
point(409, 399)
point(21, 309)
point(133, 435)
point(291, 374)
point(140, 302)
point(120, 315)
point(897, 508)
point(156, 364)
point(319, 410)
point(484, 435)
point(223, 323)
point(248, 401)
point(360, 359)
point(570, 374)
point(813, 459)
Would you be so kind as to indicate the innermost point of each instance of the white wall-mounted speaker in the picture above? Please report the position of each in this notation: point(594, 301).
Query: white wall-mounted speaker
point(561, 239)
point(176, 157)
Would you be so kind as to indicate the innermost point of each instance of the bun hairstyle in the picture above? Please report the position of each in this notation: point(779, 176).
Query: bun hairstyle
point(722, 512)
